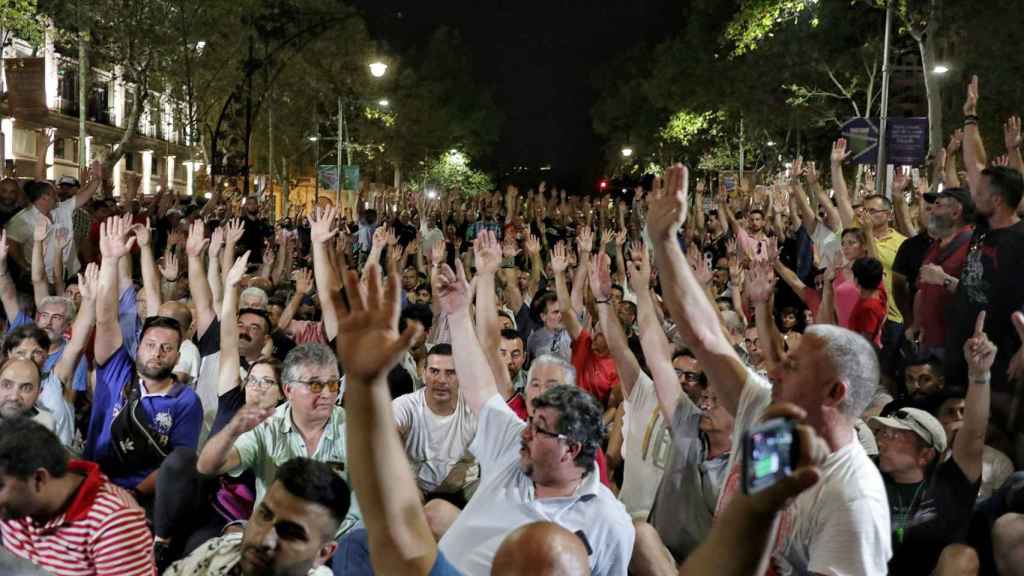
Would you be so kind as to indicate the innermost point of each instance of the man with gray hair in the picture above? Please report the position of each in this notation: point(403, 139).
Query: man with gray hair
point(309, 425)
point(841, 525)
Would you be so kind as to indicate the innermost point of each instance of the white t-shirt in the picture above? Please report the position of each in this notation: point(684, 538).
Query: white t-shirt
point(436, 444)
point(21, 229)
point(646, 448)
point(828, 245)
point(838, 527)
point(188, 360)
point(996, 467)
point(506, 500)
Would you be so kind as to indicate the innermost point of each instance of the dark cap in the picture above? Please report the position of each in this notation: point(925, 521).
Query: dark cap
point(68, 181)
point(961, 195)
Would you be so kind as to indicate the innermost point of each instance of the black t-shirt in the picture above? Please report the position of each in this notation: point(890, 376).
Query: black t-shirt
point(924, 524)
point(992, 280)
point(910, 257)
point(228, 404)
point(255, 234)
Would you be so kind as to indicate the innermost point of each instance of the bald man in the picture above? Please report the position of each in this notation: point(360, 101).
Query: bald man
point(541, 549)
point(19, 393)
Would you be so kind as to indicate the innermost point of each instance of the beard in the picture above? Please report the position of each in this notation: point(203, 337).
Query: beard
point(158, 372)
point(12, 409)
point(940, 226)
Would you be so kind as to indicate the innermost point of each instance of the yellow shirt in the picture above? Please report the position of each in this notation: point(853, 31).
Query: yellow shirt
point(887, 247)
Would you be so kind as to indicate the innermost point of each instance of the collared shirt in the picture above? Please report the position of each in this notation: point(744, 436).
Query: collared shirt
point(80, 381)
point(220, 557)
point(102, 532)
point(887, 246)
point(506, 500)
point(276, 441)
point(21, 229)
point(176, 414)
point(51, 399)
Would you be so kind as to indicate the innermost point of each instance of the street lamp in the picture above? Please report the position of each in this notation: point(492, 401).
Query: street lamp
point(383, 103)
point(378, 69)
point(313, 138)
point(940, 69)
point(627, 152)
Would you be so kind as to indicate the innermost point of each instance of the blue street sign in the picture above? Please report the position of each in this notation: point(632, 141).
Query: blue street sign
point(906, 142)
point(861, 140)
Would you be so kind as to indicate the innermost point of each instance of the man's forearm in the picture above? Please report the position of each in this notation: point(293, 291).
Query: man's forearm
point(477, 381)
point(215, 453)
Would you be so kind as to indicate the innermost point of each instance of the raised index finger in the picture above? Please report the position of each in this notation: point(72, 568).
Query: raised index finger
point(979, 324)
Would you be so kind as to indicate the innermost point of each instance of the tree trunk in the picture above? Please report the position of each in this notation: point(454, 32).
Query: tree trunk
point(83, 100)
point(130, 126)
point(933, 92)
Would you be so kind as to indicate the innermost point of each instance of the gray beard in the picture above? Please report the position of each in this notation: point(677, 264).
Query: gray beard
point(940, 227)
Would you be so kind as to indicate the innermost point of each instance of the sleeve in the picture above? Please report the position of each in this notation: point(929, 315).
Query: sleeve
point(812, 299)
point(115, 373)
point(20, 320)
point(52, 398)
point(402, 408)
point(1001, 469)
point(228, 404)
point(251, 449)
point(128, 318)
point(497, 434)
point(685, 418)
point(17, 229)
point(209, 342)
point(188, 423)
point(849, 539)
point(122, 546)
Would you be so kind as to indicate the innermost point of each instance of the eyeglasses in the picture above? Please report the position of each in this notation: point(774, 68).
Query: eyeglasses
point(45, 318)
point(317, 386)
point(877, 211)
point(689, 376)
point(535, 429)
point(260, 383)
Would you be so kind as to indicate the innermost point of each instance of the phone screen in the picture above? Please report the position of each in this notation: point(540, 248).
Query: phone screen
point(769, 452)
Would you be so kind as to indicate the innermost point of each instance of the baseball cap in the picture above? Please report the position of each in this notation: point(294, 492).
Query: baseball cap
point(926, 426)
point(67, 181)
point(961, 195)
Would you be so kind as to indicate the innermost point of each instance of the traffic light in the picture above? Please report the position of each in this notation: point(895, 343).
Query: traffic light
point(602, 184)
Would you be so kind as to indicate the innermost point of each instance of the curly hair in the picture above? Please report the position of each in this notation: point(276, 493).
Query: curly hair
point(580, 420)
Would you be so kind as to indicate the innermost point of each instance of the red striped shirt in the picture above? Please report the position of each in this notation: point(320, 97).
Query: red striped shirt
point(103, 532)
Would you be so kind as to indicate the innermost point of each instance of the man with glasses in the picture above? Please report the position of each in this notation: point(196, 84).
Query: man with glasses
point(877, 214)
point(931, 500)
point(309, 425)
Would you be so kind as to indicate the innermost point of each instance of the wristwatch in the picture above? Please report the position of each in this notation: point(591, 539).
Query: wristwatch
point(947, 283)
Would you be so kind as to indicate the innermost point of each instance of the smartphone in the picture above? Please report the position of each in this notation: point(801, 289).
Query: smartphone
point(770, 452)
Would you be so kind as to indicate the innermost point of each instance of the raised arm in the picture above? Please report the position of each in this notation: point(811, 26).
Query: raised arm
point(232, 234)
point(842, 193)
point(975, 158)
point(626, 363)
point(213, 268)
point(476, 380)
point(760, 286)
point(92, 184)
point(64, 369)
point(227, 377)
point(559, 263)
point(1012, 139)
point(654, 343)
point(487, 255)
point(40, 285)
point(321, 230)
point(690, 308)
point(114, 245)
point(510, 274)
point(969, 445)
point(369, 345)
point(198, 285)
point(904, 223)
point(150, 276)
point(8, 293)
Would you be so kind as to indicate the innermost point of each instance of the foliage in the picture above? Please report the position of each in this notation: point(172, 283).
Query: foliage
point(20, 19)
point(758, 19)
point(451, 170)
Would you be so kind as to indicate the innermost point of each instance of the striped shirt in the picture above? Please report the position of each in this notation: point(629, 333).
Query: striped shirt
point(102, 532)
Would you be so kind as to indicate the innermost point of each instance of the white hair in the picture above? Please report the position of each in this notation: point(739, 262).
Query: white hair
point(255, 293)
point(855, 362)
point(568, 371)
point(67, 303)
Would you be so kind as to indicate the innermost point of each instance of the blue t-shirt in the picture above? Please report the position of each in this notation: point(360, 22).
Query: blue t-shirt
point(442, 567)
point(80, 381)
point(178, 414)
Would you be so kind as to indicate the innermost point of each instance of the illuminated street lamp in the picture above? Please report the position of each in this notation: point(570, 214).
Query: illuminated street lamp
point(940, 69)
point(383, 103)
point(378, 69)
point(627, 152)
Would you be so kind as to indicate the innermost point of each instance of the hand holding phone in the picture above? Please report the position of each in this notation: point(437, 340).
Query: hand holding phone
point(771, 451)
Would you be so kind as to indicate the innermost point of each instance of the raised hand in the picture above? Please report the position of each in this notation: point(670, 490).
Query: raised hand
point(639, 267)
point(452, 289)
point(392, 236)
point(601, 277)
point(114, 240)
point(142, 233)
point(667, 207)
point(955, 140)
point(236, 227)
point(585, 240)
point(509, 248)
point(559, 258)
point(702, 272)
point(797, 167)
point(487, 253)
point(899, 181)
point(437, 252)
point(532, 244)
point(1011, 133)
point(380, 236)
point(42, 229)
point(839, 153)
point(237, 270)
point(248, 417)
point(811, 172)
point(169, 266)
point(216, 240)
point(397, 254)
point(303, 280)
point(1002, 160)
point(63, 237)
point(620, 238)
point(971, 101)
point(979, 351)
point(760, 283)
point(196, 239)
point(321, 225)
point(89, 282)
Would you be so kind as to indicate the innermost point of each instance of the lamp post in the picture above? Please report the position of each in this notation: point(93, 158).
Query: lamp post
point(627, 152)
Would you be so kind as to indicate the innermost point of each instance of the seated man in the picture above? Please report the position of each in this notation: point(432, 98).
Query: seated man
point(291, 531)
point(310, 424)
point(66, 516)
point(996, 467)
point(140, 411)
point(437, 427)
point(20, 393)
point(537, 470)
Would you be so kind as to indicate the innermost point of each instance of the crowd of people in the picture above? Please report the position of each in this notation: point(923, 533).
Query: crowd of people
point(519, 383)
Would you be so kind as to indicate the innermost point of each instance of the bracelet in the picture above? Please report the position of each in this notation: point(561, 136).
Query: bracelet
point(970, 119)
point(981, 380)
point(605, 301)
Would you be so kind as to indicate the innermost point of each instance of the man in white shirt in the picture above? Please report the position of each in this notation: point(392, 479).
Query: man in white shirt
point(841, 525)
point(540, 470)
point(45, 204)
point(437, 427)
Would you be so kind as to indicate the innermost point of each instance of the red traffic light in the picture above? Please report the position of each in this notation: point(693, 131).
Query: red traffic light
point(603, 184)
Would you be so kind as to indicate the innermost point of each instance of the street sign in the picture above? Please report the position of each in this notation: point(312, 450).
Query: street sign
point(329, 177)
point(906, 142)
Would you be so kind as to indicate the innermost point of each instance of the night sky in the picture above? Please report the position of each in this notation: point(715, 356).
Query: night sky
point(540, 58)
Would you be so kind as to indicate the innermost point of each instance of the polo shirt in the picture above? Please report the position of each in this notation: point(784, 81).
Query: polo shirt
point(80, 382)
point(276, 441)
point(595, 374)
point(887, 247)
point(102, 532)
point(176, 414)
point(506, 499)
